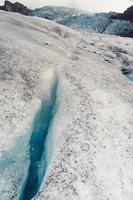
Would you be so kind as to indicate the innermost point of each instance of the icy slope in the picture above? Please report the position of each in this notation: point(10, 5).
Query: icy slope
point(89, 143)
point(74, 18)
point(109, 23)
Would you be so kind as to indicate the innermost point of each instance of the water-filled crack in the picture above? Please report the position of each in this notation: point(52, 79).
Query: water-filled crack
point(128, 72)
point(38, 156)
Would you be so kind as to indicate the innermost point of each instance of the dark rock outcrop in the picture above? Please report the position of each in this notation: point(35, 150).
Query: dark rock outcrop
point(127, 15)
point(15, 7)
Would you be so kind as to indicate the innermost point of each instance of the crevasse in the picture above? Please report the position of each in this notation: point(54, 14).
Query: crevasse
point(38, 150)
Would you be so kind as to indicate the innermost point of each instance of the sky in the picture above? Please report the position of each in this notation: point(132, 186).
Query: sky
point(90, 5)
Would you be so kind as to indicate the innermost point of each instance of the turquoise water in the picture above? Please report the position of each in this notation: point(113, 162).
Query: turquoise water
point(38, 156)
point(128, 72)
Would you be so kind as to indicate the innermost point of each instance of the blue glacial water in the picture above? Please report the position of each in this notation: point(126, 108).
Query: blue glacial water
point(37, 152)
point(128, 72)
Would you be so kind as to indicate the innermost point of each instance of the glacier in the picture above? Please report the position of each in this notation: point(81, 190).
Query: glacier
point(89, 141)
point(108, 23)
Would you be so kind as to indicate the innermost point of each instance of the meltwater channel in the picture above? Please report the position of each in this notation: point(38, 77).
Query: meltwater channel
point(37, 151)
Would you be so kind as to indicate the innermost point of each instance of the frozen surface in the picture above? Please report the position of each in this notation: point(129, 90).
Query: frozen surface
point(90, 146)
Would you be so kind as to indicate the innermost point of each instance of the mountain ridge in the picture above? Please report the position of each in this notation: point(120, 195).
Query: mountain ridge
point(15, 7)
point(112, 23)
point(127, 15)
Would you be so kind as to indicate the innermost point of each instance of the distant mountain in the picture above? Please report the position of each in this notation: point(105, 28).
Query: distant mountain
point(127, 15)
point(15, 7)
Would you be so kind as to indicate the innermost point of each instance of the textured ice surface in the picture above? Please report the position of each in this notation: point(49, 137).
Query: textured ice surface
point(85, 21)
point(92, 140)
